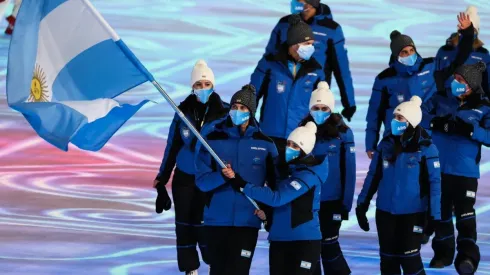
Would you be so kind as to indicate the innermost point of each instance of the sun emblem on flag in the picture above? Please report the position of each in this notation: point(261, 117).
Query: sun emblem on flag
point(39, 89)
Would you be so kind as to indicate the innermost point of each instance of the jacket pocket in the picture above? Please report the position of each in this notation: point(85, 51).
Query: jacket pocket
point(302, 209)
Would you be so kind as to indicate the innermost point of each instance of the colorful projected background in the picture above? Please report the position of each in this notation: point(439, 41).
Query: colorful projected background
point(80, 212)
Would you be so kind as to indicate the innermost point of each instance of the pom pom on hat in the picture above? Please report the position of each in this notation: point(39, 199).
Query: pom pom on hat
point(472, 11)
point(201, 71)
point(311, 126)
point(410, 110)
point(201, 62)
point(323, 95)
point(323, 85)
point(472, 74)
point(298, 31)
point(246, 96)
point(398, 42)
point(304, 137)
point(294, 20)
point(394, 34)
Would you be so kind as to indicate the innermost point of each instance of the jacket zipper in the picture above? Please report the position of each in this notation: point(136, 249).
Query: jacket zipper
point(289, 99)
point(234, 192)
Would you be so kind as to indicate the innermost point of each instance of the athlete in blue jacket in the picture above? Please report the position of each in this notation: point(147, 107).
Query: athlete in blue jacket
point(335, 141)
point(231, 220)
point(460, 123)
point(285, 81)
point(447, 53)
point(202, 106)
point(404, 171)
point(295, 237)
point(408, 75)
point(330, 49)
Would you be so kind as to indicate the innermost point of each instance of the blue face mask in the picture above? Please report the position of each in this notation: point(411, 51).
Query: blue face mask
point(203, 94)
point(457, 88)
point(239, 117)
point(291, 154)
point(409, 60)
point(398, 127)
point(296, 7)
point(306, 51)
point(320, 116)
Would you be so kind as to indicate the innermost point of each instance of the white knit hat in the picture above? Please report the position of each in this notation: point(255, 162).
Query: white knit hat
point(201, 71)
point(304, 137)
point(322, 95)
point(472, 11)
point(411, 110)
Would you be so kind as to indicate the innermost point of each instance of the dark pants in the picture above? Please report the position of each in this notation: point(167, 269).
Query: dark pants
point(399, 242)
point(231, 249)
point(332, 259)
point(189, 204)
point(294, 258)
point(459, 192)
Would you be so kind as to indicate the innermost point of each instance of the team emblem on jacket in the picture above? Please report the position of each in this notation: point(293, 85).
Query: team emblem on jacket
point(386, 164)
point(412, 161)
point(295, 185)
point(185, 132)
point(332, 146)
point(305, 265)
point(256, 160)
point(418, 229)
point(280, 87)
point(401, 98)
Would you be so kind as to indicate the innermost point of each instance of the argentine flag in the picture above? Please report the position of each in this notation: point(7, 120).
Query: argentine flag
point(65, 66)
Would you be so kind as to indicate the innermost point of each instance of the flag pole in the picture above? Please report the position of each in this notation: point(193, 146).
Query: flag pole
point(150, 77)
point(195, 132)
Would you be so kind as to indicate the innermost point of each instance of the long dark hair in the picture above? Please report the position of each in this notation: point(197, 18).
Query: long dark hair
point(409, 141)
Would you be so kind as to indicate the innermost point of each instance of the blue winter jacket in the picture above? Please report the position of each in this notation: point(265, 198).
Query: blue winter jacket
point(447, 54)
point(336, 141)
point(405, 184)
point(330, 50)
point(252, 155)
point(399, 83)
point(181, 141)
point(460, 155)
point(393, 86)
point(285, 99)
point(295, 201)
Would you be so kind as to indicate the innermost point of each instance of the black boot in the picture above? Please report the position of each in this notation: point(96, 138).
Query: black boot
point(466, 267)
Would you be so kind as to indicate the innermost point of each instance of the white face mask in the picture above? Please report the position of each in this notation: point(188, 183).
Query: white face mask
point(306, 51)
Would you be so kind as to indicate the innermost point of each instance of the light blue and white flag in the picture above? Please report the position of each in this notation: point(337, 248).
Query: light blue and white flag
point(65, 66)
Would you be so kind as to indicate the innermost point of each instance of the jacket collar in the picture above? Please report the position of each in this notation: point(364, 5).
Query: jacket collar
point(411, 140)
point(308, 66)
point(406, 70)
point(234, 131)
point(212, 110)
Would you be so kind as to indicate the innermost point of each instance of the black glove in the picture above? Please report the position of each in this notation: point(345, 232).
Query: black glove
point(462, 128)
point(348, 112)
point(442, 124)
point(446, 125)
point(163, 201)
point(362, 220)
point(238, 182)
